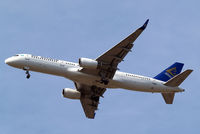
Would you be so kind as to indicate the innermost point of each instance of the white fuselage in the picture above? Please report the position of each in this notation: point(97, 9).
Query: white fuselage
point(72, 71)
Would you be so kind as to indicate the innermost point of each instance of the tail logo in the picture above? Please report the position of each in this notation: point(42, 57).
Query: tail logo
point(171, 72)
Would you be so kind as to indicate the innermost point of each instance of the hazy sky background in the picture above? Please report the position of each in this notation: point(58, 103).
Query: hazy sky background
point(70, 29)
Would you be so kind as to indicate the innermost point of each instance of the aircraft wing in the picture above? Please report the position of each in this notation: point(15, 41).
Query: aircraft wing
point(90, 96)
point(115, 55)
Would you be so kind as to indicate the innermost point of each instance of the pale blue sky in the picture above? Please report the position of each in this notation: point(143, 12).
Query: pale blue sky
point(68, 29)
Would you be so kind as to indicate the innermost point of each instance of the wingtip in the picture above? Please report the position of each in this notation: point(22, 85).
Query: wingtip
point(145, 24)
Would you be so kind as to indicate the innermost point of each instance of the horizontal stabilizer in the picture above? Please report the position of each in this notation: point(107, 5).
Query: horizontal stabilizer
point(168, 97)
point(178, 79)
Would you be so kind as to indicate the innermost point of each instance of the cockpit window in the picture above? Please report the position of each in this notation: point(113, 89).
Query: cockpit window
point(16, 55)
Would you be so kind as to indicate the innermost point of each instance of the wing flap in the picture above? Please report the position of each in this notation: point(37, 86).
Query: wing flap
point(88, 107)
point(90, 96)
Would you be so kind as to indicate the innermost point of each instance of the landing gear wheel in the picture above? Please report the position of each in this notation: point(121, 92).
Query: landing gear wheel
point(28, 74)
point(104, 79)
point(105, 82)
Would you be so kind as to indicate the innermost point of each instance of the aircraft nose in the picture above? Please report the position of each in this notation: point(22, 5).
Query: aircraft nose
point(8, 61)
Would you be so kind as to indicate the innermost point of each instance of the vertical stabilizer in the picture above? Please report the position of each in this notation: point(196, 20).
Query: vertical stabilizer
point(170, 72)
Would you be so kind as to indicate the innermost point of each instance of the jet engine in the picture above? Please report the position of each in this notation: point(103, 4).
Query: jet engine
point(88, 63)
point(71, 93)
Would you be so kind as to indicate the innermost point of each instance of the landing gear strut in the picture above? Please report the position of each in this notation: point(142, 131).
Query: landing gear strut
point(27, 72)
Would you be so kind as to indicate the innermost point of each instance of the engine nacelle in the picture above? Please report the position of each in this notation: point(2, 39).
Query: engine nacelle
point(71, 93)
point(88, 63)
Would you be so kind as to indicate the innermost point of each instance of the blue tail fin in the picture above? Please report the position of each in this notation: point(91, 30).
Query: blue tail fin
point(170, 72)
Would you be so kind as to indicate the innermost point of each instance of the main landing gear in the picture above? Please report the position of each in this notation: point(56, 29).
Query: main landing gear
point(27, 72)
point(104, 81)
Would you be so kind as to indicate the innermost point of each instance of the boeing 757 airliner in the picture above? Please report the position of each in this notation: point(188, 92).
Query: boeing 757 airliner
point(92, 76)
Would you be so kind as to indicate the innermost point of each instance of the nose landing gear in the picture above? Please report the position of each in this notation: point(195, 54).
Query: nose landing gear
point(27, 72)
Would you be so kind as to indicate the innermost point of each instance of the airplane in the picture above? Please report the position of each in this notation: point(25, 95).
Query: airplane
point(93, 76)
